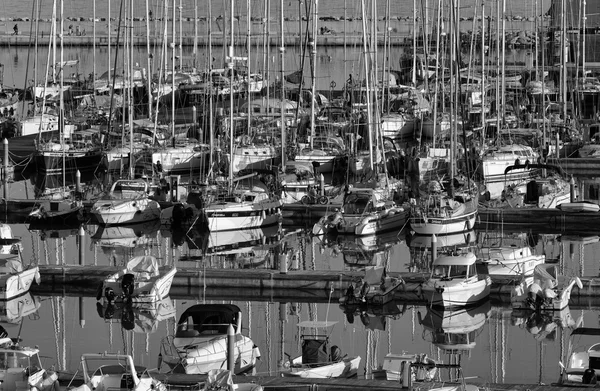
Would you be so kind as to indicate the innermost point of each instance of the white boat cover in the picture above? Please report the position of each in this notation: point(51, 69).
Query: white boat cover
point(144, 263)
point(546, 273)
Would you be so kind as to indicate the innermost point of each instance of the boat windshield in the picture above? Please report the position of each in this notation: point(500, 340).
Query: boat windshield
point(10, 360)
point(450, 271)
point(356, 204)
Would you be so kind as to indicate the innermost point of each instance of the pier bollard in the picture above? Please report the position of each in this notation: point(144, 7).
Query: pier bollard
point(81, 246)
point(78, 182)
point(433, 248)
point(81, 313)
point(5, 169)
point(230, 348)
point(572, 188)
point(322, 183)
point(406, 374)
point(283, 312)
point(283, 262)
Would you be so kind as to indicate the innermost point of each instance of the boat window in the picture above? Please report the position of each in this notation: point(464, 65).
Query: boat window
point(248, 198)
point(458, 271)
point(13, 360)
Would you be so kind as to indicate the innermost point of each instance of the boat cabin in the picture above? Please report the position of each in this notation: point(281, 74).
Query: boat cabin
point(449, 267)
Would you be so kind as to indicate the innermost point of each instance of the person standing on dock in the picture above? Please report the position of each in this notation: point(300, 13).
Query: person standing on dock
point(16, 29)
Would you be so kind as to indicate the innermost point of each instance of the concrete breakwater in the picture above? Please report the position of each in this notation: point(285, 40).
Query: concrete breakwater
point(331, 32)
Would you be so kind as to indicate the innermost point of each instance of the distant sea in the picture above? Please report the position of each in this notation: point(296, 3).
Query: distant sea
point(291, 8)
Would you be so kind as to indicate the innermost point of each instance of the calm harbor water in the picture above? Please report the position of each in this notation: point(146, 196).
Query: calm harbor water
point(333, 63)
point(506, 347)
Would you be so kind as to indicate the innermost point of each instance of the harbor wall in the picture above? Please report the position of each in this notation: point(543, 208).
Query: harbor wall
point(331, 32)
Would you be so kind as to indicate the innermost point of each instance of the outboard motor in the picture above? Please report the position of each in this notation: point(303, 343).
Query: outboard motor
point(127, 284)
point(109, 293)
point(127, 317)
point(589, 376)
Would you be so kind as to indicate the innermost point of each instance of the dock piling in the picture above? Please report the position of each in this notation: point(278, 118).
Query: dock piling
point(230, 348)
point(433, 248)
point(5, 169)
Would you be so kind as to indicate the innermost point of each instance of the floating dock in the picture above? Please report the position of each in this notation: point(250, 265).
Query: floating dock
point(273, 285)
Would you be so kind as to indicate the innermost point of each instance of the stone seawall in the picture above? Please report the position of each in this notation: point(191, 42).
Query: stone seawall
point(80, 32)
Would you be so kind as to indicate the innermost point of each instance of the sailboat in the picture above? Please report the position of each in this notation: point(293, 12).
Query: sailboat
point(440, 206)
point(248, 202)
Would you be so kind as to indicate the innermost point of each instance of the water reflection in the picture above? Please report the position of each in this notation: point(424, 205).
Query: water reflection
point(479, 338)
point(137, 317)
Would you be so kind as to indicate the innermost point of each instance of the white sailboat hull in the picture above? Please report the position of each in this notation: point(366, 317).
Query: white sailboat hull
point(128, 211)
point(443, 226)
point(234, 216)
point(346, 368)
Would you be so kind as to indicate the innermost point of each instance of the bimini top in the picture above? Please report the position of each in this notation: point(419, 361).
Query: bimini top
point(461, 260)
point(221, 313)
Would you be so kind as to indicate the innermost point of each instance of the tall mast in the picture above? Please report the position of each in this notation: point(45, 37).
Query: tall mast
point(196, 32)
point(61, 114)
point(211, 131)
point(131, 110)
point(503, 94)
point(483, 100)
point(148, 55)
point(180, 35)
point(367, 83)
point(110, 45)
point(313, 44)
point(283, 100)
point(173, 47)
point(230, 65)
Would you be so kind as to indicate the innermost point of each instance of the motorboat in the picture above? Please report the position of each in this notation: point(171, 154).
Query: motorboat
point(127, 202)
point(365, 211)
point(200, 341)
point(375, 288)
point(105, 371)
point(583, 365)
point(509, 260)
point(138, 317)
point(317, 359)
point(141, 281)
point(454, 329)
point(249, 206)
point(455, 282)
point(543, 290)
point(21, 367)
point(14, 310)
